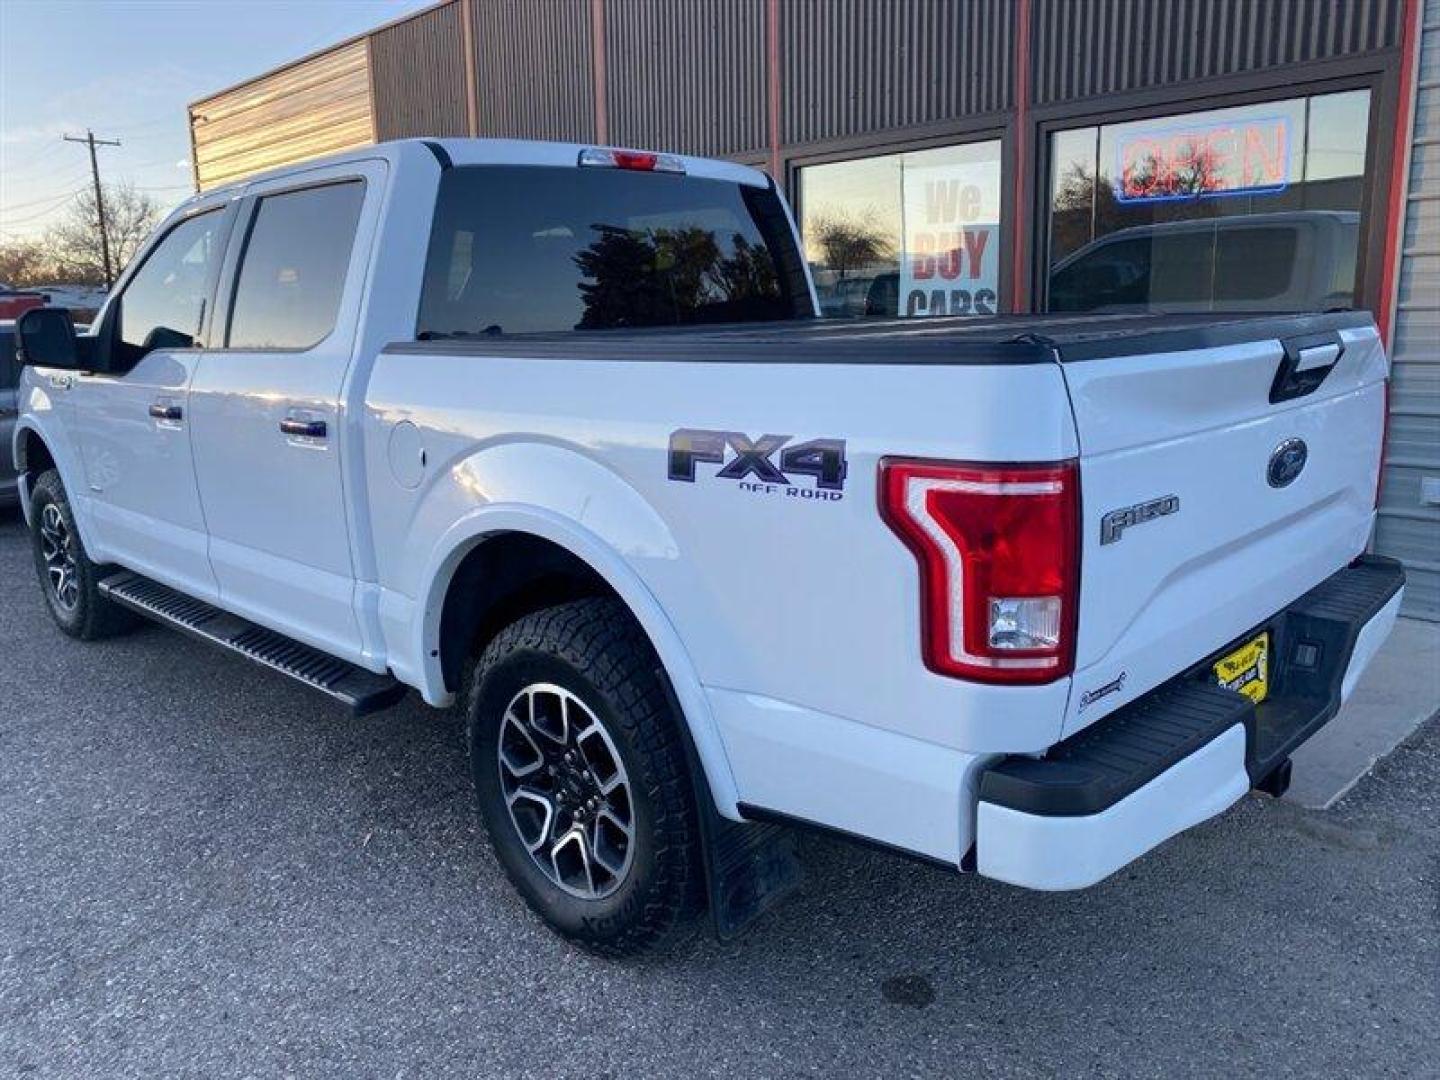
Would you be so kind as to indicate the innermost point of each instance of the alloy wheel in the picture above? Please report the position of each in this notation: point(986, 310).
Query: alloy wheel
point(567, 791)
point(57, 548)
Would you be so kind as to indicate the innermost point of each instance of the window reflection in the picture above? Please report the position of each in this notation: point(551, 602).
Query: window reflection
point(1245, 209)
point(908, 234)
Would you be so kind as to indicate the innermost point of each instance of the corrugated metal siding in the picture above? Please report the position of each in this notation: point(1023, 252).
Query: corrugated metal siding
point(686, 75)
point(419, 76)
point(855, 66)
point(316, 107)
point(1089, 47)
point(535, 69)
point(1409, 528)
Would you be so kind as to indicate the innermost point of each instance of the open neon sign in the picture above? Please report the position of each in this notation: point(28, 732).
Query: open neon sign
point(1249, 157)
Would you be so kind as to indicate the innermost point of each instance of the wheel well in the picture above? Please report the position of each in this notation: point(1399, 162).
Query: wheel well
point(37, 455)
point(503, 578)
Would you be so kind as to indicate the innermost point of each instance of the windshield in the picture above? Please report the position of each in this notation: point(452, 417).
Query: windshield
point(527, 249)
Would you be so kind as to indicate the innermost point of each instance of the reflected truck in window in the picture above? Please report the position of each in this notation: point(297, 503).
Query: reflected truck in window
point(1299, 261)
point(554, 434)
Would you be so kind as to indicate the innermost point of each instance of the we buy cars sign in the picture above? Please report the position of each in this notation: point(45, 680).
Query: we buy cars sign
point(951, 259)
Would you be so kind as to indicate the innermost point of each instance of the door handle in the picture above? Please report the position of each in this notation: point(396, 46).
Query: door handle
point(161, 411)
point(307, 429)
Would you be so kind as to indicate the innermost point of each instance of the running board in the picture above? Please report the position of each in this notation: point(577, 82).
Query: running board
point(360, 690)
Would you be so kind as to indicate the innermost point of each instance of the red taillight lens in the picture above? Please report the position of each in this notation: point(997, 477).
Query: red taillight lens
point(999, 564)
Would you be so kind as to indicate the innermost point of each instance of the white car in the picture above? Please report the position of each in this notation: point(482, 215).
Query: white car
point(554, 431)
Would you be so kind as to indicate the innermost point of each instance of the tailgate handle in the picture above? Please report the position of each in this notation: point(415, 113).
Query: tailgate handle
point(1308, 359)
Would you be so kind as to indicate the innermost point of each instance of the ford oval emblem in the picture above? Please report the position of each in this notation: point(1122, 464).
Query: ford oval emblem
point(1287, 462)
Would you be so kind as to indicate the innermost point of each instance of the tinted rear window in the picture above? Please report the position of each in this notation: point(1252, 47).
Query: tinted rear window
point(522, 249)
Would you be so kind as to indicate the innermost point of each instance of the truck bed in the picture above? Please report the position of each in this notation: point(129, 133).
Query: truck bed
point(1001, 339)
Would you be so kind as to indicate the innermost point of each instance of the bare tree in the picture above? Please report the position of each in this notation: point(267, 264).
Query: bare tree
point(74, 243)
point(849, 243)
point(23, 263)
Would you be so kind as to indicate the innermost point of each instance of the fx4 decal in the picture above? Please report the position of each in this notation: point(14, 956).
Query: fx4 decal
point(752, 462)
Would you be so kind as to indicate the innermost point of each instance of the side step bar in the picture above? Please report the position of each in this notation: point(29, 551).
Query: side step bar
point(360, 690)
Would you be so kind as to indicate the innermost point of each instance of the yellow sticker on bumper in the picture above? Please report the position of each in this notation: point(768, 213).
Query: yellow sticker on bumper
point(1247, 669)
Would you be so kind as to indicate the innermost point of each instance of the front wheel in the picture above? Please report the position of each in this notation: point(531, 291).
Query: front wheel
point(581, 777)
point(69, 580)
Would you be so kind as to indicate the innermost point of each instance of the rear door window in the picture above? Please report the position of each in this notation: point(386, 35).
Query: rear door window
point(522, 249)
point(293, 267)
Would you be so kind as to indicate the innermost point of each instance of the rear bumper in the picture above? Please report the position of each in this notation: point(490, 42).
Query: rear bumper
point(1185, 751)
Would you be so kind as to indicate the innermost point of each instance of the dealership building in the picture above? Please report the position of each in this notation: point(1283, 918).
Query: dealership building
point(975, 156)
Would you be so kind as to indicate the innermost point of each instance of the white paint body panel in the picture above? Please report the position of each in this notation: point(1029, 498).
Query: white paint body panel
point(789, 628)
point(1199, 425)
point(276, 505)
point(1369, 642)
point(1053, 853)
point(139, 474)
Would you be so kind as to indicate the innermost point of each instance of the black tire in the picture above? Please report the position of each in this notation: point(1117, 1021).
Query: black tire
point(593, 651)
point(77, 608)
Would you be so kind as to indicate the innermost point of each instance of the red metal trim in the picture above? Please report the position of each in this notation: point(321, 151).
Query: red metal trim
point(772, 43)
point(1019, 212)
point(597, 65)
point(1399, 167)
point(472, 77)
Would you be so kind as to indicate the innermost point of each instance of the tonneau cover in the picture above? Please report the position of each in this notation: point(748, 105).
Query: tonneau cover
point(1001, 339)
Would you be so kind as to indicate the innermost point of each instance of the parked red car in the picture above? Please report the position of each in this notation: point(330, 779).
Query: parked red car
point(13, 302)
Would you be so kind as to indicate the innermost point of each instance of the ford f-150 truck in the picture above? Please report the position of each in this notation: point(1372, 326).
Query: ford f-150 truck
point(554, 431)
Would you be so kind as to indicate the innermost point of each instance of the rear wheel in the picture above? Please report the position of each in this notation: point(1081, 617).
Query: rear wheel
point(69, 580)
point(582, 778)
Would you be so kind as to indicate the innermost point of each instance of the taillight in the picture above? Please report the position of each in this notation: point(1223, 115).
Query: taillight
point(604, 157)
point(999, 564)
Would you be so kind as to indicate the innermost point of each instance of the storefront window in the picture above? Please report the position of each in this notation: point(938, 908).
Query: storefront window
point(909, 234)
point(1246, 209)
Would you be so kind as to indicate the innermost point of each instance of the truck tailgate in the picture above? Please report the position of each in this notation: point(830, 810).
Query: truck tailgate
point(1219, 483)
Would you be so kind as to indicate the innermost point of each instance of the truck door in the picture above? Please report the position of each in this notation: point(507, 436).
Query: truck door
point(131, 421)
point(266, 404)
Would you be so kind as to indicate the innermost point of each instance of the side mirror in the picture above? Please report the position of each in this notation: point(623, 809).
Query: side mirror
point(45, 337)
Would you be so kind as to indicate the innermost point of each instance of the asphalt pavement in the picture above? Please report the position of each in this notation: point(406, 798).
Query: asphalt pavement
point(207, 871)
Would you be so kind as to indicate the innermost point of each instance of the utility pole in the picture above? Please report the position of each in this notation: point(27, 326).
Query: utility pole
point(93, 142)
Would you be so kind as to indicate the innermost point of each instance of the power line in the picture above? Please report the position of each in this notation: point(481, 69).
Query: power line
point(45, 152)
point(54, 205)
point(36, 202)
point(92, 142)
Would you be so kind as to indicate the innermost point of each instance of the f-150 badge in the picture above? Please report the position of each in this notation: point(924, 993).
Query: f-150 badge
point(751, 462)
point(1113, 524)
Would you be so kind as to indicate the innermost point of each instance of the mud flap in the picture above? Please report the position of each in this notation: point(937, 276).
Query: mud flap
point(749, 866)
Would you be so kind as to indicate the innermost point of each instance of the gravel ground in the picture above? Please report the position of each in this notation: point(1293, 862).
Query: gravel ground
point(207, 871)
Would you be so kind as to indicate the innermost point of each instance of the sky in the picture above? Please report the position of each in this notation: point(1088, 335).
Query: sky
point(127, 69)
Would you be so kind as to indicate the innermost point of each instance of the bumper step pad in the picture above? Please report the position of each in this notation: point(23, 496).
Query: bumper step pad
point(360, 690)
point(1311, 644)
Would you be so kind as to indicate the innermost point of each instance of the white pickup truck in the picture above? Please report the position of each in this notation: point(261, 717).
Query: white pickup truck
point(554, 431)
